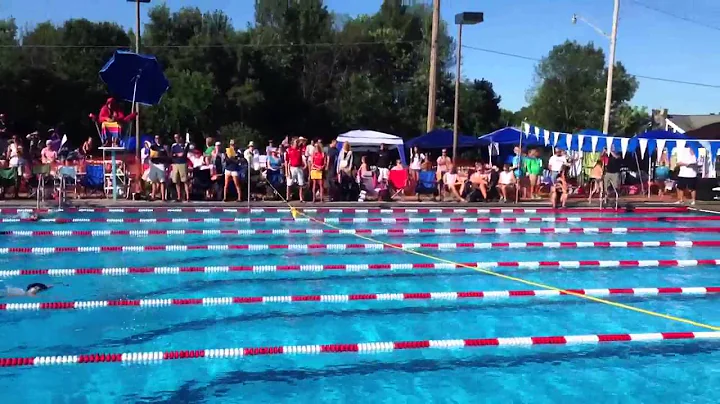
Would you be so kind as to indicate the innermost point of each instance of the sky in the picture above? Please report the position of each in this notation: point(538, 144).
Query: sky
point(679, 42)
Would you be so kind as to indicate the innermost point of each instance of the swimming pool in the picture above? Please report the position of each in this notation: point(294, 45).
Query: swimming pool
point(275, 283)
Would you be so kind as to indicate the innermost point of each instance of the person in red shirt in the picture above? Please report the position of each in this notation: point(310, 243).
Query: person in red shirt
point(316, 171)
point(111, 112)
point(295, 170)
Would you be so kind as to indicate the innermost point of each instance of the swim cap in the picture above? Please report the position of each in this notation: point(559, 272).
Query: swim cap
point(39, 286)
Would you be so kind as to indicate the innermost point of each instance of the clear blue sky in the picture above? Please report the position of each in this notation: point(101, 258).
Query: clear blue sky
point(649, 43)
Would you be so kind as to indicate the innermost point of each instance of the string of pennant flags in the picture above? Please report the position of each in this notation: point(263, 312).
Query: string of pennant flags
point(594, 141)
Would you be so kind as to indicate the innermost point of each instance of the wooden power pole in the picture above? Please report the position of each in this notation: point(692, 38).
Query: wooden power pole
point(432, 83)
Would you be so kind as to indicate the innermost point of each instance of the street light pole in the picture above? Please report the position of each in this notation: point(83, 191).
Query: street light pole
point(457, 93)
point(611, 66)
point(461, 19)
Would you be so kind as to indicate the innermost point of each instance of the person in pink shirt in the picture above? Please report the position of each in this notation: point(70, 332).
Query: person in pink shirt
point(48, 155)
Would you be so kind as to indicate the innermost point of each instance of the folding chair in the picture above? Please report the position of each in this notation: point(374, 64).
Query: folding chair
point(94, 179)
point(398, 180)
point(427, 184)
point(66, 176)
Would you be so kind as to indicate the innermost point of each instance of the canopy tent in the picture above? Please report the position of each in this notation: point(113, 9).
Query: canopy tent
point(506, 136)
point(370, 140)
point(442, 139)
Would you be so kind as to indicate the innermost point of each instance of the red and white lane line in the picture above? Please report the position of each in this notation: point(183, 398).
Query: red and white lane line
point(343, 210)
point(368, 232)
point(360, 348)
point(120, 271)
point(469, 295)
point(386, 220)
point(362, 247)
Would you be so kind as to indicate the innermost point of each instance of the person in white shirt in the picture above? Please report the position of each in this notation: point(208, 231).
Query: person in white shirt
point(687, 177)
point(556, 163)
point(505, 181)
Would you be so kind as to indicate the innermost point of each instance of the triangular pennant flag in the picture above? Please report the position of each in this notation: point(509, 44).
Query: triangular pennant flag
point(568, 141)
point(624, 145)
point(581, 140)
point(536, 132)
point(680, 143)
point(556, 137)
point(643, 146)
point(546, 137)
point(525, 127)
point(593, 143)
point(608, 143)
point(660, 148)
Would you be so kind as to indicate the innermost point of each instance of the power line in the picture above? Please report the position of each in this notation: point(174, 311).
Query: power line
point(666, 80)
point(328, 44)
point(679, 17)
point(203, 46)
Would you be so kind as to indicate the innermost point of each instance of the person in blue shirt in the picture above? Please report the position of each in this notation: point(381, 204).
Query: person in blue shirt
point(179, 172)
point(517, 165)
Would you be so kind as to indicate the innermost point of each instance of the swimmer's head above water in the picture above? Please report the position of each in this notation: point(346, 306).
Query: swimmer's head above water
point(35, 288)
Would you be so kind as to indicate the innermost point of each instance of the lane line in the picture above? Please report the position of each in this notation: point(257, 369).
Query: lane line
point(646, 292)
point(357, 348)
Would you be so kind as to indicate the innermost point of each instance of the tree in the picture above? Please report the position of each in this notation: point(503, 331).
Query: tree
point(569, 92)
point(299, 70)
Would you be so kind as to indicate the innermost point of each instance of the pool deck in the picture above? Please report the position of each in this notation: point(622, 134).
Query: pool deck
point(707, 206)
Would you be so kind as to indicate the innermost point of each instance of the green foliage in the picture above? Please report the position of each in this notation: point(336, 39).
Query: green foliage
point(570, 90)
point(299, 70)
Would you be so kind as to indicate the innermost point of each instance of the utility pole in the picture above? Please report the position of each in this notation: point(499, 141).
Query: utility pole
point(137, 106)
point(432, 84)
point(611, 66)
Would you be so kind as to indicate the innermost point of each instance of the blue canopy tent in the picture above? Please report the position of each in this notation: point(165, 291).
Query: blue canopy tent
point(508, 136)
point(443, 139)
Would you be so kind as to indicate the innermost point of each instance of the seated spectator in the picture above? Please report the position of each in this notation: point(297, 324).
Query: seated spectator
point(452, 183)
point(506, 180)
point(366, 177)
point(398, 165)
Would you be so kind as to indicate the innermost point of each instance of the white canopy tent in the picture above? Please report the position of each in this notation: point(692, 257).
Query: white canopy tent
point(370, 140)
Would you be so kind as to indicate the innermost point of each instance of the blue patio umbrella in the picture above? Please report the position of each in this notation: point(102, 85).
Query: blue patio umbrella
point(135, 77)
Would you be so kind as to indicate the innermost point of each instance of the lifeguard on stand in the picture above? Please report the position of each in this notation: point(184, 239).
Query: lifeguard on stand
point(111, 118)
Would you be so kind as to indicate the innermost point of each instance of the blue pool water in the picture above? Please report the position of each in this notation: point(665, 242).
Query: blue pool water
point(667, 372)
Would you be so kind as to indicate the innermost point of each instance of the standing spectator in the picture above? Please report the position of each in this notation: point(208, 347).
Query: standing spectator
point(249, 153)
point(232, 171)
point(295, 169)
point(596, 177)
point(443, 162)
point(534, 168)
point(612, 173)
point(331, 160)
point(316, 172)
point(208, 146)
point(270, 148)
point(178, 174)
point(158, 158)
point(687, 177)
point(416, 160)
point(517, 169)
point(383, 163)
point(345, 163)
point(556, 163)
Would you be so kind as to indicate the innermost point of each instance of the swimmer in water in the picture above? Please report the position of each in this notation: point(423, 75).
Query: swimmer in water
point(31, 291)
point(32, 217)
